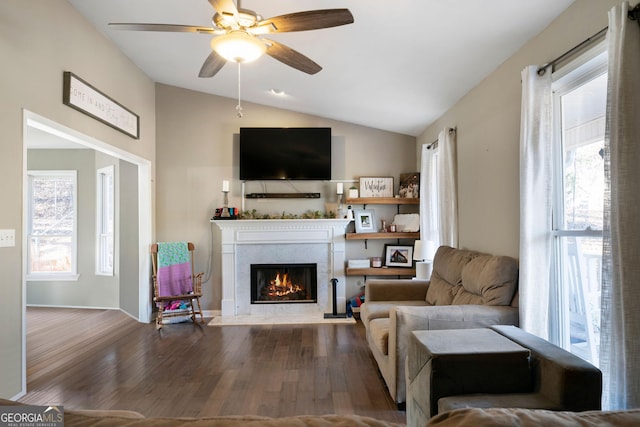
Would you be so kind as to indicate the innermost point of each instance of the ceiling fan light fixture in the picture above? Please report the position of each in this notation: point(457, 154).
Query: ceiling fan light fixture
point(238, 46)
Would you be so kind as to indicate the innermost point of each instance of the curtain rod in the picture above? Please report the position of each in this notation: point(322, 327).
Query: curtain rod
point(435, 143)
point(633, 14)
point(593, 39)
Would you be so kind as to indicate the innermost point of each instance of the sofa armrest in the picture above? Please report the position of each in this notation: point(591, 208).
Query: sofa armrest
point(404, 319)
point(395, 290)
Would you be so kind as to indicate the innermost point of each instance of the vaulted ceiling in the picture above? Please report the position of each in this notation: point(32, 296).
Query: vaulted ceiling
point(398, 67)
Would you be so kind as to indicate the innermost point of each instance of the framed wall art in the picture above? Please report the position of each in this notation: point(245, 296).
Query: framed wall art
point(365, 221)
point(371, 186)
point(398, 256)
point(81, 96)
point(410, 185)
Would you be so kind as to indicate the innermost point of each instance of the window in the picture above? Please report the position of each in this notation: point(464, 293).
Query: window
point(52, 225)
point(580, 108)
point(104, 221)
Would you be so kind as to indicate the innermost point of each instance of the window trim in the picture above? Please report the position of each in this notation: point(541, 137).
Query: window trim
point(574, 74)
point(101, 174)
point(53, 276)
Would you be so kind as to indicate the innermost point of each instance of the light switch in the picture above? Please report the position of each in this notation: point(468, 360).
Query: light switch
point(7, 238)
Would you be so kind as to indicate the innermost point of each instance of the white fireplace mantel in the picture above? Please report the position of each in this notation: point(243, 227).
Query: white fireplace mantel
point(247, 241)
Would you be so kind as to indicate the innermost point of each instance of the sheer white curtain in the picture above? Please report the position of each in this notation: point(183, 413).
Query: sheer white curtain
point(535, 200)
point(620, 337)
point(439, 191)
point(447, 188)
point(428, 195)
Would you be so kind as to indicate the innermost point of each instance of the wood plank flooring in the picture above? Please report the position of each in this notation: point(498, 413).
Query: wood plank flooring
point(103, 359)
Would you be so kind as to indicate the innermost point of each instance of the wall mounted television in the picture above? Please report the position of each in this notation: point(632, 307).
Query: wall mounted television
point(285, 153)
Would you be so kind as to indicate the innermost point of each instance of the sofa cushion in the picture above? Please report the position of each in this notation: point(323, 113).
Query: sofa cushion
point(106, 418)
point(376, 309)
point(487, 280)
point(446, 276)
point(499, 417)
point(379, 332)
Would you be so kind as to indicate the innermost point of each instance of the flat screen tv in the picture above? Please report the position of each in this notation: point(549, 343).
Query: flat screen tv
point(285, 153)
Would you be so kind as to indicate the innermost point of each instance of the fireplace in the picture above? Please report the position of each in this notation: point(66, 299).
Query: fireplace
point(284, 283)
point(261, 241)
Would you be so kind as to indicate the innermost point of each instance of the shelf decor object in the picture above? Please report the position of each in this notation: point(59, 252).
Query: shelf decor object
point(398, 256)
point(365, 221)
point(410, 185)
point(376, 187)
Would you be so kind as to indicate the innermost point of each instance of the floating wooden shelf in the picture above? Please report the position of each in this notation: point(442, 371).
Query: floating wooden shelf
point(382, 201)
point(367, 236)
point(384, 271)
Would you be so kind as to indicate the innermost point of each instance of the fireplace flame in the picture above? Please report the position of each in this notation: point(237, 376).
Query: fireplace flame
point(281, 287)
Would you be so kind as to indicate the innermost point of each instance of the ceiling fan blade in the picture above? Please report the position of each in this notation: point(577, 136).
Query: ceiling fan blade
point(163, 27)
point(212, 65)
point(291, 57)
point(308, 20)
point(224, 7)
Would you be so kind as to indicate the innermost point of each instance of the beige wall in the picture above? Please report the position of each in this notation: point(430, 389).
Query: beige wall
point(198, 148)
point(488, 122)
point(39, 39)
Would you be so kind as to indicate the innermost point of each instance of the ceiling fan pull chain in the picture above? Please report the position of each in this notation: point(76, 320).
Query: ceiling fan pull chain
point(239, 106)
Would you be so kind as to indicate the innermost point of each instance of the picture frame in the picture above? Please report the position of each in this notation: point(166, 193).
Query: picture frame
point(410, 185)
point(365, 221)
point(398, 255)
point(376, 186)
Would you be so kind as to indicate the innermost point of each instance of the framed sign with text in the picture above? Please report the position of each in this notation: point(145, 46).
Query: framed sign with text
point(376, 186)
point(81, 96)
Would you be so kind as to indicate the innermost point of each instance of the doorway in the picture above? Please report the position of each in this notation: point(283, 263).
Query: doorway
point(133, 293)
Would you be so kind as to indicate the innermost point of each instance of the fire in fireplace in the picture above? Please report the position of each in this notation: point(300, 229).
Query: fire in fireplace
point(283, 283)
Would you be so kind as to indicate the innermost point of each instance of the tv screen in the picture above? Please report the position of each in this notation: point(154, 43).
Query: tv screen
point(285, 153)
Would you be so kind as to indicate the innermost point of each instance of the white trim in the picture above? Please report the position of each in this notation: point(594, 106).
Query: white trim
point(101, 176)
point(67, 173)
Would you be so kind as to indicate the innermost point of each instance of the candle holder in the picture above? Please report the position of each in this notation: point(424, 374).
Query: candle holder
point(340, 209)
point(225, 209)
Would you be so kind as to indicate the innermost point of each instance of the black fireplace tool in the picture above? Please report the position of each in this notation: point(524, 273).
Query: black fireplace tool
point(335, 314)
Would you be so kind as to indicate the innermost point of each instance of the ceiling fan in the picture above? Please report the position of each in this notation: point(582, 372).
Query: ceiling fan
point(239, 34)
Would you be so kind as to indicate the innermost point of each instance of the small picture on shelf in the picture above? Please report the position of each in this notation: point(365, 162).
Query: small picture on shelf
point(398, 256)
point(410, 185)
point(365, 222)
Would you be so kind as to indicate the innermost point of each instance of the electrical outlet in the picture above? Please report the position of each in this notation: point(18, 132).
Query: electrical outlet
point(7, 238)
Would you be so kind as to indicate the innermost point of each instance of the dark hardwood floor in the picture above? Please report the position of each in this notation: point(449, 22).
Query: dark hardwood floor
point(103, 359)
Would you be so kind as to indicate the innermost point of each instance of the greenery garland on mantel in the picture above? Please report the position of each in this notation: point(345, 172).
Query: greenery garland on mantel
point(254, 214)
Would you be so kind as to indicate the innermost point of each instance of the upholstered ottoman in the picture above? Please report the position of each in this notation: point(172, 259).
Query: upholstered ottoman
point(443, 363)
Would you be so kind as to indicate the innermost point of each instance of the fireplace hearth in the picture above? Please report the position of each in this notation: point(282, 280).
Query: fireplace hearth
point(283, 283)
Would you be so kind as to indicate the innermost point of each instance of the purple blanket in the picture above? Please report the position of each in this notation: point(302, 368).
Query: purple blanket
point(174, 269)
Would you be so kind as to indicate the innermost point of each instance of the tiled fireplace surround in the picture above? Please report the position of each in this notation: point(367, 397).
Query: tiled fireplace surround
point(246, 242)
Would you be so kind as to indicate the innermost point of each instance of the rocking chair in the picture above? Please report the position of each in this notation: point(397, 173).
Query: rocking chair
point(176, 287)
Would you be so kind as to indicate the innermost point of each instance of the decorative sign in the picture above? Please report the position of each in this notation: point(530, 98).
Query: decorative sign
point(80, 95)
point(376, 187)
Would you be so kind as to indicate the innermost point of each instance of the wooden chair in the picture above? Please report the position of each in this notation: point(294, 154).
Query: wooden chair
point(163, 300)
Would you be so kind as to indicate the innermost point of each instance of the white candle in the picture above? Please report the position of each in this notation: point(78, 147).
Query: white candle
point(340, 188)
point(225, 185)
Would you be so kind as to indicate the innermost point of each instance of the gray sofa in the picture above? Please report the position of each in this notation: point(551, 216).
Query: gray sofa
point(467, 289)
point(497, 367)
point(560, 380)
